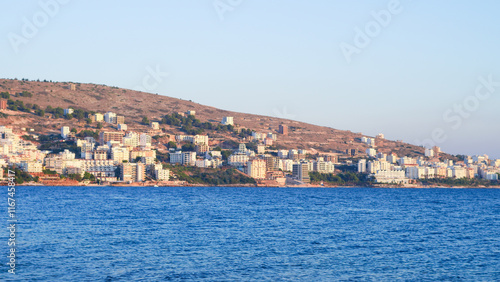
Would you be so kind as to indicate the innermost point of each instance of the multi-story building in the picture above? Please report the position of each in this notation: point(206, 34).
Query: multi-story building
point(415, 172)
point(238, 159)
point(227, 121)
point(110, 117)
point(145, 140)
point(301, 172)
point(120, 120)
point(371, 152)
point(122, 127)
point(97, 117)
point(189, 158)
point(362, 166)
point(272, 136)
point(392, 158)
point(155, 125)
point(256, 168)
point(31, 166)
point(162, 174)
point(100, 154)
point(459, 172)
point(99, 168)
point(429, 153)
point(86, 149)
point(183, 158)
point(201, 149)
point(323, 167)
point(131, 139)
point(261, 149)
point(283, 154)
point(119, 154)
point(138, 153)
point(204, 163)
point(283, 129)
point(133, 172)
point(272, 163)
point(106, 136)
point(176, 158)
point(65, 131)
point(391, 177)
point(3, 104)
point(195, 139)
point(405, 161)
point(68, 111)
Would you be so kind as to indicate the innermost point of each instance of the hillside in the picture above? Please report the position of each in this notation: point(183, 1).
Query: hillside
point(134, 105)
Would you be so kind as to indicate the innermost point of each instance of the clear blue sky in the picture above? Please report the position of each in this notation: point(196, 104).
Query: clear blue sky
point(281, 58)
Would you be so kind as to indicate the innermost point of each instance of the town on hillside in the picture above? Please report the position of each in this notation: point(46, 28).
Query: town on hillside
point(115, 155)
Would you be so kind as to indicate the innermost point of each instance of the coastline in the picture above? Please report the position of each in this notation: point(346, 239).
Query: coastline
point(378, 186)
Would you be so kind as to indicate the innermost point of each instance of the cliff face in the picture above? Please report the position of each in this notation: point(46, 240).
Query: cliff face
point(134, 105)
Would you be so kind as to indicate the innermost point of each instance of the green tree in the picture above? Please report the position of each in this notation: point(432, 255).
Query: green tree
point(188, 147)
point(171, 144)
point(99, 125)
point(145, 121)
point(5, 95)
point(225, 154)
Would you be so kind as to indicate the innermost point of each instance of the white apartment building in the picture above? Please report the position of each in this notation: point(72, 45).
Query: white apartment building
point(459, 172)
point(261, 149)
point(155, 125)
point(110, 117)
point(65, 131)
point(122, 127)
point(283, 154)
point(415, 172)
point(31, 166)
point(392, 158)
point(162, 174)
point(98, 117)
point(362, 166)
point(131, 139)
point(145, 140)
point(189, 158)
point(323, 167)
point(119, 154)
point(176, 158)
point(205, 163)
point(227, 121)
point(429, 153)
point(256, 168)
point(391, 176)
point(371, 152)
point(238, 159)
point(99, 168)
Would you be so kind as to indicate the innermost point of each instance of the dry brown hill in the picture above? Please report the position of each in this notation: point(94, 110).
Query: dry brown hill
point(134, 105)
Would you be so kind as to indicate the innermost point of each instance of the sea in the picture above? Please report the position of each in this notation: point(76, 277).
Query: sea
point(252, 234)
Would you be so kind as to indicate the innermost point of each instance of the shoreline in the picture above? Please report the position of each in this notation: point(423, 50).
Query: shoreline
point(157, 185)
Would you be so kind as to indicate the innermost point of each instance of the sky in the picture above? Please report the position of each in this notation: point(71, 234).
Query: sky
point(425, 72)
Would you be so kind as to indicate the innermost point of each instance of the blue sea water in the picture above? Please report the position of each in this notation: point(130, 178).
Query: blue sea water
point(263, 234)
